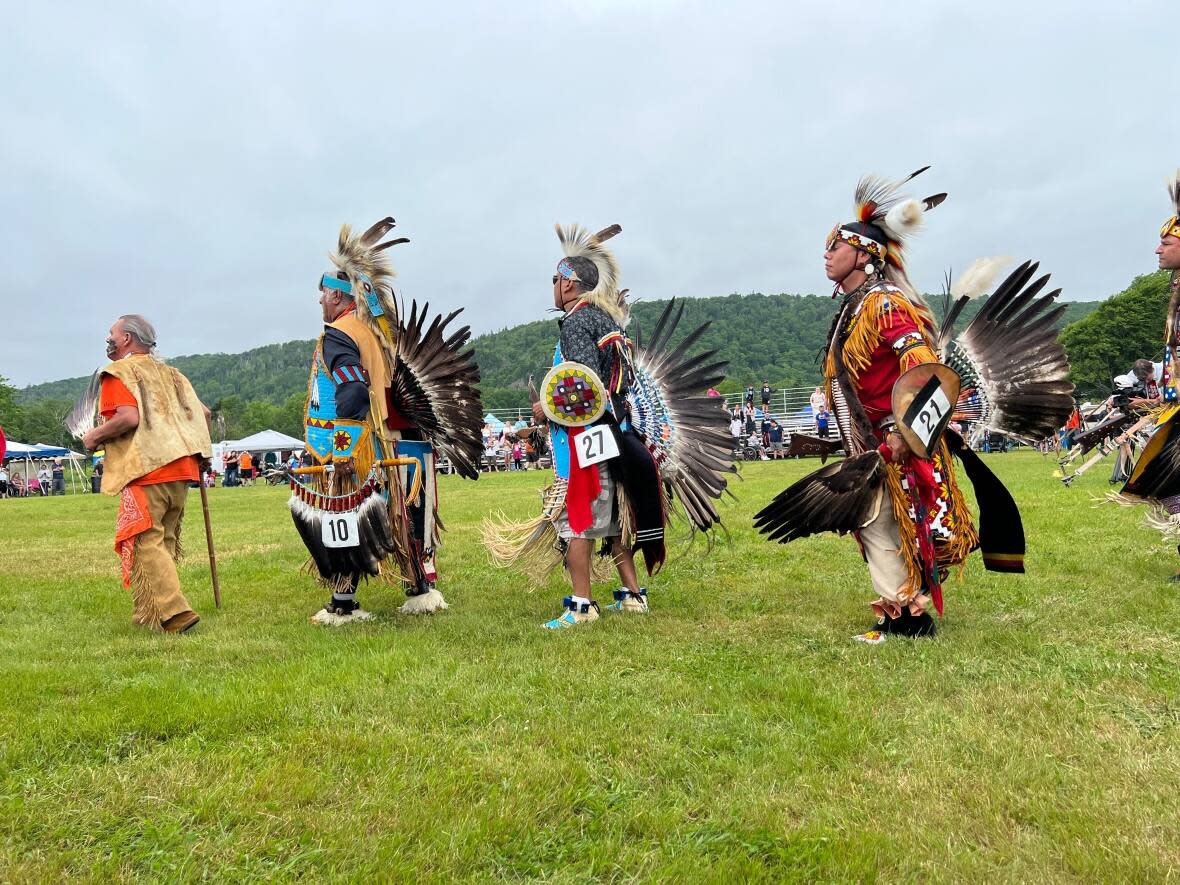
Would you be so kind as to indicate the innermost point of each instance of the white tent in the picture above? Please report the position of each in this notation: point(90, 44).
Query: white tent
point(263, 441)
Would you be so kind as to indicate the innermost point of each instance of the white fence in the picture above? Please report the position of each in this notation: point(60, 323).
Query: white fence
point(790, 406)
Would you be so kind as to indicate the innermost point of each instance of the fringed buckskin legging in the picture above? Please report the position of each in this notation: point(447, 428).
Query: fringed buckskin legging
point(155, 584)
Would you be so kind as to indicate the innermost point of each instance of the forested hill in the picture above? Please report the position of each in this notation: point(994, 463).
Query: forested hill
point(776, 337)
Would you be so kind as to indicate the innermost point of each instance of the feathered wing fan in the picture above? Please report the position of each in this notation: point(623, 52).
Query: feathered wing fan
point(837, 498)
point(1014, 372)
point(687, 431)
point(434, 386)
point(84, 415)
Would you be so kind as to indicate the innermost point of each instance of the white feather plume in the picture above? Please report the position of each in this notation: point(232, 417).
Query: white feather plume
point(904, 218)
point(1173, 184)
point(978, 278)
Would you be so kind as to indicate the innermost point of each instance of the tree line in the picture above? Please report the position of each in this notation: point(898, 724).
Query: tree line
point(773, 337)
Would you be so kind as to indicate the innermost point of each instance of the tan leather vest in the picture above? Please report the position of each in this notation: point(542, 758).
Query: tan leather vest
point(171, 422)
point(374, 361)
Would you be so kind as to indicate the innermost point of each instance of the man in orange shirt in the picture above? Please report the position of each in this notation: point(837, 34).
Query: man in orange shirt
point(246, 468)
point(155, 431)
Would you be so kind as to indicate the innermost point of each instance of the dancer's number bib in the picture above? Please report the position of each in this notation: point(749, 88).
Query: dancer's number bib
point(595, 445)
point(339, 530)
point(928, 421)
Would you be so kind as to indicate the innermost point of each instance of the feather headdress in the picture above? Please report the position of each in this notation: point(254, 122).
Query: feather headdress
point(368, 270)
point(578, 242)
point(1172, 225)
point(885, 220)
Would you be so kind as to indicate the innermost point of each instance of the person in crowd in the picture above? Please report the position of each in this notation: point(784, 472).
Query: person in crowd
point(749, 425)
point(765, 429)
point(754, 441)
point(4, 481)
point(232, 478)
point(246, 468)
point(819, 401)
point(505, 449)
point(16, 486)
point(749, 396)
point(155, 432)
point(517, 455)
point(44, 480)
point(776, 440)
point(59, 477)
point(765, 394)
point(822, 419)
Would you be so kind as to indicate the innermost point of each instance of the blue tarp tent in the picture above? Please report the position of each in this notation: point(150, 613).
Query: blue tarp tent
point(497, 424)
point(44, 451)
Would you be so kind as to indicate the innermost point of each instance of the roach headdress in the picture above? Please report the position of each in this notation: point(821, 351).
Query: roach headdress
point(588, 262)
point(363, 271)
point(885, 220)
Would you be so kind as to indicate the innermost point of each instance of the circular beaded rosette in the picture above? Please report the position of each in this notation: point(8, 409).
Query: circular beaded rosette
point(572, 395)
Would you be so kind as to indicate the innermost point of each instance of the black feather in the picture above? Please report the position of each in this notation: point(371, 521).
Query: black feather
point(836, 498)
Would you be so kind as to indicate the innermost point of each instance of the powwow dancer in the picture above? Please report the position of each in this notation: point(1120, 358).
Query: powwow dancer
point(1155, 478)
point(897, 490)
point(155, 432)
point(631, 433)
point(385, 394)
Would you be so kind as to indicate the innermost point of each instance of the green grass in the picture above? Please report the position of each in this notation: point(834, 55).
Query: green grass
point(733, 734)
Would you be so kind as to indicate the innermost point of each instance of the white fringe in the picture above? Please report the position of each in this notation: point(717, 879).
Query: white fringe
point(424, 604)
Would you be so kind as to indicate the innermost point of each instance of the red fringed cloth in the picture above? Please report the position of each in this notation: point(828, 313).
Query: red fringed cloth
point(134, 519)
point(584, 487)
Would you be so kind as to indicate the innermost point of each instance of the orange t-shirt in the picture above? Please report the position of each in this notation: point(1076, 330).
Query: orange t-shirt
point(115, 394)
point(245, 462)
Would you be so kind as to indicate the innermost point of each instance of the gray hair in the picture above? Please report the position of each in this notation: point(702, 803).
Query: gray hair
point(140, 330)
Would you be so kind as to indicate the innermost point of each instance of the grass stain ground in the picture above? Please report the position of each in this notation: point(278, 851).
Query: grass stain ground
point(733, 734)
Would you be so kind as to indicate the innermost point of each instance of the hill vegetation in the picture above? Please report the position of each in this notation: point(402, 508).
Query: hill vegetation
point(1126, 327)
point(777, 337)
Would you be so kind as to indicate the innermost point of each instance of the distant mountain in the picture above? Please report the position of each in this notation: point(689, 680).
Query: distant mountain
point(777, 337)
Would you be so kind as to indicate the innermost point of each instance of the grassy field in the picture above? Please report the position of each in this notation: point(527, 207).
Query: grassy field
point(734, 734)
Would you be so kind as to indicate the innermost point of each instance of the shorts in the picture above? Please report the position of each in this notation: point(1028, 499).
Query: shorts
point(777, 446)
point(604, 521)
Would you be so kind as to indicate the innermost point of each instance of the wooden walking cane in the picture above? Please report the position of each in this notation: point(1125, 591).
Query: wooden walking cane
point(209, 542)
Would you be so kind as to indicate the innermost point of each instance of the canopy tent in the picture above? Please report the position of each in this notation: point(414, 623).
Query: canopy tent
point(48, 451)
point(496, 423)
point(17, 451)
point(20, 451)
point(38, 451)
point(264, 441)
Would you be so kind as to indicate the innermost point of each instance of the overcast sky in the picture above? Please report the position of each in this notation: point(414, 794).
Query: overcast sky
point(193, 162)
